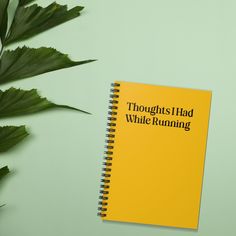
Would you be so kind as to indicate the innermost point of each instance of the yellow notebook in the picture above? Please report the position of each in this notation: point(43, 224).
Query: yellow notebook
point(155, 151)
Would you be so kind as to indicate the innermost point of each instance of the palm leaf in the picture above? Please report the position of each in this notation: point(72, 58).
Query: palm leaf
point(3, 19)
point(25, 2)
point(27, 62)
point(10, 136)
point(3, 171)
point(16, 102)
point(32, 20)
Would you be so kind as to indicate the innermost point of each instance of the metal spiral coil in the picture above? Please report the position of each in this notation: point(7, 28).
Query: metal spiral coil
point(106, 170)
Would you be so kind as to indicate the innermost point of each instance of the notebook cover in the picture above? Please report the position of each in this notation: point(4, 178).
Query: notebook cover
point(158, 155)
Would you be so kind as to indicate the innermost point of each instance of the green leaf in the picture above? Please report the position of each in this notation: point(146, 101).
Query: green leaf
point(15, 102)
point(3, 172)
point(10, 136)
point(32, 20)
point(3, 19)
point(25, 2)
point(27, 62)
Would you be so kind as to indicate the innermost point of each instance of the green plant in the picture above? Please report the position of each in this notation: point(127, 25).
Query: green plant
point(24, 62)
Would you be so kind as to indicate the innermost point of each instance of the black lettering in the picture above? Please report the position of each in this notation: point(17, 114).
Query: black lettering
point(167, 111)
point(129, 118)
point(154, 120)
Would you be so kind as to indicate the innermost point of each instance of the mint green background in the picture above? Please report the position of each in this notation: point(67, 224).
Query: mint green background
point(53, 188)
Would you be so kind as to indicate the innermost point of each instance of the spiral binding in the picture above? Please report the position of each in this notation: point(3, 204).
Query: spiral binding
point(106, 170)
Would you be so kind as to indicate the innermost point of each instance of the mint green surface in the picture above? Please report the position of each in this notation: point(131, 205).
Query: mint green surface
point(54, 185)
